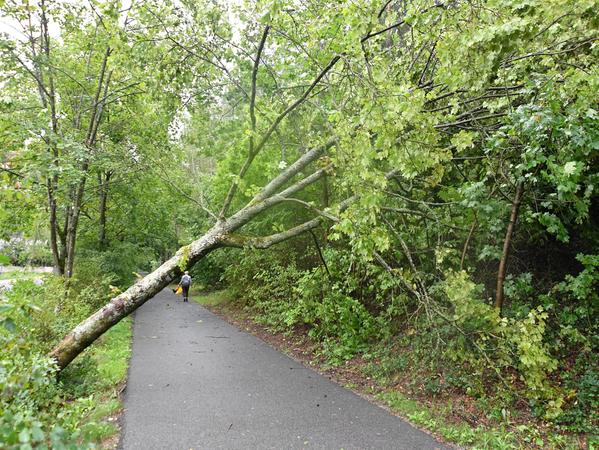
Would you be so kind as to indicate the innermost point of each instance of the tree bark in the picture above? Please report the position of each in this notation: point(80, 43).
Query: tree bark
point(58, 264)
point(103, 187)
point(90, 141)
point(71, 232)
point(506, 246)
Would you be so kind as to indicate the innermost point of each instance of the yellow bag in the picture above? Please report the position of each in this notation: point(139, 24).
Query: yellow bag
point(179, 290)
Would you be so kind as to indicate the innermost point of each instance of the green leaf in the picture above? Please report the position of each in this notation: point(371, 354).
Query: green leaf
point(6, 307)
point(37, 433)
point(9, 324)
point(24, 436)
point(463, 140)
point(570, 168)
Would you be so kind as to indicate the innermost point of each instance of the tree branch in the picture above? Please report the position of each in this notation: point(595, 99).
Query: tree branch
point(253, 92)
point(92, 120)
point(312, 208)
point(268, 133)
point(472, 119)
point(292, 170)
point(262, 242)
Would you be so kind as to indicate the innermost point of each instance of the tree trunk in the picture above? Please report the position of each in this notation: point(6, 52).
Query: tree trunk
point(58, 264)
point(63, 240)
point(506, 247)
point(71, 240)
point(125, 303)
point(103, 185)
point(90, 140)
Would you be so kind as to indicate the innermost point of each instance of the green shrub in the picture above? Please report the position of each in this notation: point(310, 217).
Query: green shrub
point(37, 410)
point(583, 395)
point(282, 296)
point(117, 264)
point(45, 313)
point(491, 344)
point(209, 272)
point(339, 321)
point(32, 407)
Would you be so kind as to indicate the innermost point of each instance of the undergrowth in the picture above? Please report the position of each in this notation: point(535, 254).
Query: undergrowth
point(39, 408)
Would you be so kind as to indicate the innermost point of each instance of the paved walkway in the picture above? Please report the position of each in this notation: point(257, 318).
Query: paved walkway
point(196, 382)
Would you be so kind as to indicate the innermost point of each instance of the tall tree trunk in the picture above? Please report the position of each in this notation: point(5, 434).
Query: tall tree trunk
point(62, 233)
point(325, 192)
point(71, 232)
point(90, 141)
point(506, 247)
point(58, 263)
point(103, 186)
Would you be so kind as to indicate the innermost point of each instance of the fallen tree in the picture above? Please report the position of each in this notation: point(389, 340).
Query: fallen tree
point(222, 232)
point(220, 235)
point(280, 189)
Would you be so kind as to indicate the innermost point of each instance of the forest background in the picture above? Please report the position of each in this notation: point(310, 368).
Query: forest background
point(411, 183)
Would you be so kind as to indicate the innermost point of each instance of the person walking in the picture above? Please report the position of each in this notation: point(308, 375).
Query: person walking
point(185, 284)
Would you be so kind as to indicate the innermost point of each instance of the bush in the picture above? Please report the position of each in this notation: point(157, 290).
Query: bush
point(34, 412)
point(209, 272)
point(339, 321)
point(284, 296)
point(118, 264)
point(458, 337)
point(36, 409)
point(583, 396)
point(43, 314)
point(492, 344)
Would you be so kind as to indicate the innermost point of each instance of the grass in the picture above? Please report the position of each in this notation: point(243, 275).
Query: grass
point(111, 355)
point(20, 275)
point(210, 298)
point(439, 422)
point(436, 422)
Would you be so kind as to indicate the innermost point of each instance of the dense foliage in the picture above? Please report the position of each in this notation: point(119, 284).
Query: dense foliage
point(463, 118)
point(453, 217)
point(38, 409)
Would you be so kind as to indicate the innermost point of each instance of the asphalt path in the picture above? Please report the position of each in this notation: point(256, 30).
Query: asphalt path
point(196, 382)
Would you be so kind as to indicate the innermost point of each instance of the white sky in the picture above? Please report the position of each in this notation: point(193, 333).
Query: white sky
point(13, 29)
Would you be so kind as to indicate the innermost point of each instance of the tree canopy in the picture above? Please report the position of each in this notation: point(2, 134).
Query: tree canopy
point(435, 162)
